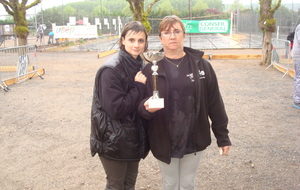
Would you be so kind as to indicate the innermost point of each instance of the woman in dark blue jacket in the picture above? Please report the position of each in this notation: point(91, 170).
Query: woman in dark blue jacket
point(117, 132)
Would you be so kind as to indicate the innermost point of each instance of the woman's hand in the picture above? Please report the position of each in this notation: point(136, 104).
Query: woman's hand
point(140, 77)
point(224, 150)
point(146, 104)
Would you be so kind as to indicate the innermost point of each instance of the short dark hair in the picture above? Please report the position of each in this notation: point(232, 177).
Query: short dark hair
point(136, 27)
point(168, 21)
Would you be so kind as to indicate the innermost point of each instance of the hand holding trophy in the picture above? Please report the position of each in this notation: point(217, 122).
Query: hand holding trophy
point(153, 57)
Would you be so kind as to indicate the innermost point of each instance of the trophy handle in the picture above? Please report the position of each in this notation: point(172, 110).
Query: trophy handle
point(154, 78)
point(154, 68)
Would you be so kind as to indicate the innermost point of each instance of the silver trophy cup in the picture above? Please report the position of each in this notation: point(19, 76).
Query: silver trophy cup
point(154, 57)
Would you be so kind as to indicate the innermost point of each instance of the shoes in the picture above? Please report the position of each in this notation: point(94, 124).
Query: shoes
point(296, 105)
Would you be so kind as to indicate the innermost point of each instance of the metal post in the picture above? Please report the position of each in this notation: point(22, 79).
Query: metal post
point(190, 17)
point(250, 36)
point(62, 7)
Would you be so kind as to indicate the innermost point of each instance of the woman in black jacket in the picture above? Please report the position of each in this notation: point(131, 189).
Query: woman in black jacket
point(117, 132)
point(193, 106)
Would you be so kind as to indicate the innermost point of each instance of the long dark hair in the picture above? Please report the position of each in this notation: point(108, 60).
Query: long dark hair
point(134, 26)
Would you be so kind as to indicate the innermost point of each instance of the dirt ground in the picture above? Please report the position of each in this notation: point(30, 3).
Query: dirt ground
point(45, 127)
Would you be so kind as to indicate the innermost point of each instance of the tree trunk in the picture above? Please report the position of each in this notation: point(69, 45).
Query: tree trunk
point(139, 14)
point(22, 41)
point(266, 49)
point(21, 26)
point(267, 23)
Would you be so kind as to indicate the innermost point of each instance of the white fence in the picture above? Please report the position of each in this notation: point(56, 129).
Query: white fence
point(17, 64)
point(281, 56)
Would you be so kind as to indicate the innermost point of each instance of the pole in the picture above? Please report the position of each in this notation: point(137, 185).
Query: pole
point(190, 17)
point(119, 26)
point(62, 7)
point(292, 14)
point(251, 28)
point(42, 12)
point(231, 18)
point(35, 18)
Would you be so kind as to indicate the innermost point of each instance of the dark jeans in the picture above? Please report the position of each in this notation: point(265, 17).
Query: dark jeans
point(120, 175)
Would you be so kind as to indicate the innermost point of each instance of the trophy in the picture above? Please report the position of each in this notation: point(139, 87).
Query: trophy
point(153, 57)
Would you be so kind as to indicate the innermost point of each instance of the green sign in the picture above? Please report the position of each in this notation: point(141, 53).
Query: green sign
point(207, 26)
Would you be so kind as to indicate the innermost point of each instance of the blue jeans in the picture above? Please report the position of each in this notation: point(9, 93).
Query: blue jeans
point(297, 81)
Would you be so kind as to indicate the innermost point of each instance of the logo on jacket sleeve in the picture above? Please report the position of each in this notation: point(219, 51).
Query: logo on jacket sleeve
point(191, 75)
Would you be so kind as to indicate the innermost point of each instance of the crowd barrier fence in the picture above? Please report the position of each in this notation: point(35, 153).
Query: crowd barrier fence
point(281, 56)
point(18, 64)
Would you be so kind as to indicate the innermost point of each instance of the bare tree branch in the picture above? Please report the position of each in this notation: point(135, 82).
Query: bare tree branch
point(137, 8)
point(276, 7)
point(150, 6)
point(18, 11)
point(7, 6)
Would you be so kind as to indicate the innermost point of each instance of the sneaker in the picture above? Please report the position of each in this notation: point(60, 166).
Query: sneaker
point(296, 105)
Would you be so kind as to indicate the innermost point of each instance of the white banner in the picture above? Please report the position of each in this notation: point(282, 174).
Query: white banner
point(89, 31)
point(72, 20)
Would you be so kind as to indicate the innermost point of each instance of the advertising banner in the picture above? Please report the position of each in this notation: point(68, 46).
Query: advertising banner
point(207, 26)
point(89, 31)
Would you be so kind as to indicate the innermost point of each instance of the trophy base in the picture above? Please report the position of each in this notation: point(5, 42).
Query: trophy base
point(156, 103)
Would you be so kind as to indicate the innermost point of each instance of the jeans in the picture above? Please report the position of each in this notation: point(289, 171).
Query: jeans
point(181, 172)
point(120, 175)
point(297, 81)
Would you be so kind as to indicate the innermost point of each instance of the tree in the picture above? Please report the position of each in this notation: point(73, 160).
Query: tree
point(100, 10)
point(236, 6)
point(199, 9)
point(139, 14)
point(8, 20)
point(164, 8)
point(53, 15)
point(182, 7)
point(215, 4)
point(267, 24)
point(287, 19)
point(18, 11)
point(69, 11)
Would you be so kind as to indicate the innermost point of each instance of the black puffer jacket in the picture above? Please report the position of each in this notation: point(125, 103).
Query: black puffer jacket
point(117, 132)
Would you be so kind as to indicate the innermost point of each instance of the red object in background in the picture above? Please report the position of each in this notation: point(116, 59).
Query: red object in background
point(79, 22)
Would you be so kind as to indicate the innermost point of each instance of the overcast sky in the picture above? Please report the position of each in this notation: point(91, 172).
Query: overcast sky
point(45, 4)
point(51, 3)
point(256, 1)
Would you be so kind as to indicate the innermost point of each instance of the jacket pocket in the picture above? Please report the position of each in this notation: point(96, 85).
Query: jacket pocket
point(98, 129)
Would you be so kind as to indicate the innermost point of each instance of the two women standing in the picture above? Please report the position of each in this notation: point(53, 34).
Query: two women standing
point(179, 132)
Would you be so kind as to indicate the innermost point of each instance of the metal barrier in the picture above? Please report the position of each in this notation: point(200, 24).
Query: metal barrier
point(281, 55)
point(17, 64)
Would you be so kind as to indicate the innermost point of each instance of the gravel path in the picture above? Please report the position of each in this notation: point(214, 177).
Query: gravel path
point(45, 126)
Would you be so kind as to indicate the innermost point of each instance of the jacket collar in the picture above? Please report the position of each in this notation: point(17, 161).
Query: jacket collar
point(195, 54)
point(129, 61)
